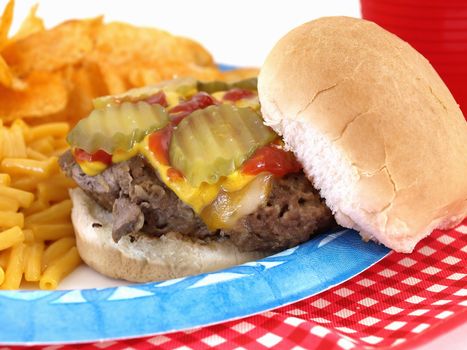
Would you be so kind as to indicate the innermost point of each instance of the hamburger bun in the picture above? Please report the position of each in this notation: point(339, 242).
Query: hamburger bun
point(141, 258)
point(373, 124)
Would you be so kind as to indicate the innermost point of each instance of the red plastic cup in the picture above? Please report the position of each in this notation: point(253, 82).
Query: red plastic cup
point(435, 28)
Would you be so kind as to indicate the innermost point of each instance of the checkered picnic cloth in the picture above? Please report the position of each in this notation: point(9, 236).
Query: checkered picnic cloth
point(395, 300)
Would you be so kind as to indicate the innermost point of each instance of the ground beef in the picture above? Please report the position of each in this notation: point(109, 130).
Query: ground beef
point(135, 181)
point(139, 200)
point(294, 211)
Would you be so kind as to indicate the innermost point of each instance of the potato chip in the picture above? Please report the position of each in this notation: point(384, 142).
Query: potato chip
point(120, 43)
point(52, 49)
point(7, 79)
point(45, 95)
point(31, 24)
point(170, 70)
point(120, 78)
point(114, 78)
point(5, 22)
point(86, 83)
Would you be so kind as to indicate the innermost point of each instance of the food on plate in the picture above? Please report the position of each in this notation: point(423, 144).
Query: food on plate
point(48, 79)
point(373, 125)
point(183, 177)
point(34, 207)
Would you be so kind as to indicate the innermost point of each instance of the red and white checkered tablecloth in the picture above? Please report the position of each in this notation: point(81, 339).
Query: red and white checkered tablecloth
point(401, 297)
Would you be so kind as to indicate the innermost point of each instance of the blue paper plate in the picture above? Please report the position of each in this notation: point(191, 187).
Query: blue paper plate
point(39, 317)
point(83, 315)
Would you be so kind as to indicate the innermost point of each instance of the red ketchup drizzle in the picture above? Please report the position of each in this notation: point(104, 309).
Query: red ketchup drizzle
point(174, 174)
point(199, 101)
point(159, 142)
point(99, 156)
point(158, 99)
point(272, 159)
point(236, 94)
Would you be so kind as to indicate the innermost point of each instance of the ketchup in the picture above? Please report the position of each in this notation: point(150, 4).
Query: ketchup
point(159, 142)
point(158, 99)
point(174, 174)
point(99, 156)
point(200, 100)
point(236, 94)
point(272, 159)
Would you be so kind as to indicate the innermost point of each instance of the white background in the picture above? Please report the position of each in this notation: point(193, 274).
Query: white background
point(239, 32)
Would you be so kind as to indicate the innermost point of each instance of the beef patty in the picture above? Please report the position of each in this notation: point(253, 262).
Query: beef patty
point(139, 200)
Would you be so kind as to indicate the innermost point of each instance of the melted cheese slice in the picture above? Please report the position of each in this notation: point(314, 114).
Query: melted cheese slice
point(196, 197)
point(92, 168)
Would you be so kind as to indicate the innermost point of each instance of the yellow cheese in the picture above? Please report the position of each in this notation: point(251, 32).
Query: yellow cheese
point(196, 197)
point(229, 207)
point(218, 95)
point(121, 156)
point(172, 98)
point(92, 168)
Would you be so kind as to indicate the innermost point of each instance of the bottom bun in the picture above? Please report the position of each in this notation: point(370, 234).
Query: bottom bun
point(142, 258)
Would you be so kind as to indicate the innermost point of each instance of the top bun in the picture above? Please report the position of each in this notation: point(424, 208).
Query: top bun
point(374, 126)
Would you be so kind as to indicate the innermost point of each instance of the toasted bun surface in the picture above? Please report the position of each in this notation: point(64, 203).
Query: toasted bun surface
point(145, 258)
point(374, 126)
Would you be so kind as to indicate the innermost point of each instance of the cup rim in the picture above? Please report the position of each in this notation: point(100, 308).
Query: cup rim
point(417, 4)
point(423, 12)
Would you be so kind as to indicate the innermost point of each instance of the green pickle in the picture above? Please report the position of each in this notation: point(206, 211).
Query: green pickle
point(212, 86)
point(247, 84)
point(117, 127)
point(215, 141)
point(216, 85)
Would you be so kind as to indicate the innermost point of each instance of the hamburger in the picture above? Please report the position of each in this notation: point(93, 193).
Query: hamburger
point(185, 177)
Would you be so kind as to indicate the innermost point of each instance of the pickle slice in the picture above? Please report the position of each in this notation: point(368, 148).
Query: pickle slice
point(182, 86)
point(212, 86)
point(216, 85)
point(117, 126)
point(215, 141)
point(247, 84)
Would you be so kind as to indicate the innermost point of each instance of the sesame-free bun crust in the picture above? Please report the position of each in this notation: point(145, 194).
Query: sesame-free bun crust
point(374, 125)
point(145, 258)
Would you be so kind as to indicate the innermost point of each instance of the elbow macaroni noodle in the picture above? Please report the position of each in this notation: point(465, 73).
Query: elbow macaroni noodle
point(37, 242)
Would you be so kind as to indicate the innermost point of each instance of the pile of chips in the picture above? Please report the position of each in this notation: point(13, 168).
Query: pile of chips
point(52, 75)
